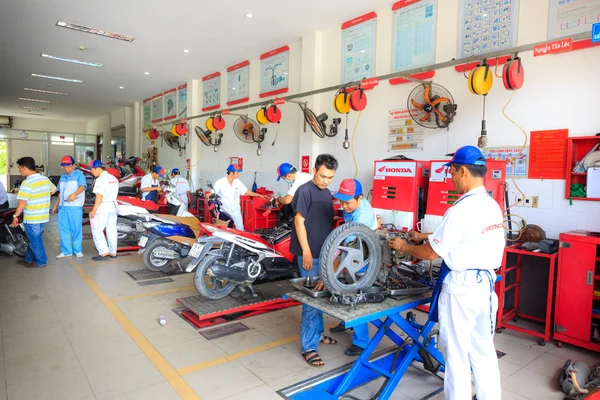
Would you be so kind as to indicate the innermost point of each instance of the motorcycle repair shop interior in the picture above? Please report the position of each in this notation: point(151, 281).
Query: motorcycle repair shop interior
point(391, 90)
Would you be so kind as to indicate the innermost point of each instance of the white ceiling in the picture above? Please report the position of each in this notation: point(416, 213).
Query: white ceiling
point(216, 32)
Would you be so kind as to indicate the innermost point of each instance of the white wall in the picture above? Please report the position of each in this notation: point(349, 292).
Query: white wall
point(118, 117)
point(48, 125)
point(100, 125)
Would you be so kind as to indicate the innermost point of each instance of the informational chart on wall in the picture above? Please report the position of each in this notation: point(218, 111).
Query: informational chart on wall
point(548, 159)
point(170, 104)
point(211, 92)
point(274, 70)
point(513, 157)
point(487, 25)
point(358, 48)
point(238, 83)
point(403, 133)
point(414, 29)
point(568, 17)
point(147, 112)
point(157, 108)
point(182, 101)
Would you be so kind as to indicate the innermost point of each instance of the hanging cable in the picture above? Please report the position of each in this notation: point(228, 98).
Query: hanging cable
point(352, 150)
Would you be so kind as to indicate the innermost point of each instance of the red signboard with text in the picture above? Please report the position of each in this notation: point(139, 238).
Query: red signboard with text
point(560, 46)
point(306, 164)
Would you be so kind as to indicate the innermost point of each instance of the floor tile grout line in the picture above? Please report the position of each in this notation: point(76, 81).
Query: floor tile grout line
point(169, 373)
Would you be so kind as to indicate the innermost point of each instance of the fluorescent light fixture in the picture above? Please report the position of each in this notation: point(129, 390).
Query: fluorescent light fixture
point(95, 31)
point(121, 87)
point(26, 113)
point(33, 108)
point(186, 51)
point(44, 91)
point(57, 78)
point(248, 15)
point(146, 73)
point(38, 100)
point(72, 60)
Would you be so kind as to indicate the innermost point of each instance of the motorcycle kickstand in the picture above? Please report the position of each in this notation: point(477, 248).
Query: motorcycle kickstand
point(252, 290)
point(179, 266)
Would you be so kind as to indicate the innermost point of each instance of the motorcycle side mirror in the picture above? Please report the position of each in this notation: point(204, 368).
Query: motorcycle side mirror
point(209, 184)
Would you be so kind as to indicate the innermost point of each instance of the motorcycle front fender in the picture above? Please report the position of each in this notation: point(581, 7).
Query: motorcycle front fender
point(208, 243)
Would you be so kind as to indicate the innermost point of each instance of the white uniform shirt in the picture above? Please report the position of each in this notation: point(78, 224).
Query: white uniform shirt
point(230, 194)
point(181, 188)
point(471, 236)
point(301, 179)
point(147, 182)
point(108, 186)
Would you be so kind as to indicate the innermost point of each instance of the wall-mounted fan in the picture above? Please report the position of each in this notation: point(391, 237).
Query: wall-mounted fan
point(207, 138)
point(173, 141)
point(431, 105)
point(245, 129)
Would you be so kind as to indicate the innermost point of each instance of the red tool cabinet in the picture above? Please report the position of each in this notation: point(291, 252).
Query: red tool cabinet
point(577, 305)
point(255, 216)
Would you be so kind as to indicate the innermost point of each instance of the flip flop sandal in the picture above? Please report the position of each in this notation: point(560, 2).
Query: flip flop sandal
point(314, 360)
point(327, 340)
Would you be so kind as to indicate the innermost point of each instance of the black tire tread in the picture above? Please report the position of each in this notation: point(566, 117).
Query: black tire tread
point(200, 283)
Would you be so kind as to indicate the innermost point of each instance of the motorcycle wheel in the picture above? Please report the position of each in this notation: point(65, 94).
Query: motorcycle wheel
point(363, 252)
point(21, 242)
point(153, 263)
point(210, 287)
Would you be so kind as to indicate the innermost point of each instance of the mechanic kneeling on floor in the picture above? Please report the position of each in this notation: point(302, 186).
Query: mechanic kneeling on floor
point(470, 240)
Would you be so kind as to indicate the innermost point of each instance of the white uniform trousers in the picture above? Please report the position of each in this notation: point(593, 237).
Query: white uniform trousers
point(106, 218)
point(238, 221)
point(467, 342)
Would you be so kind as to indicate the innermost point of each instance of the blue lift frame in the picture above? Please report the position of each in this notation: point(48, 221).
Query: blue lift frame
point(392, 366)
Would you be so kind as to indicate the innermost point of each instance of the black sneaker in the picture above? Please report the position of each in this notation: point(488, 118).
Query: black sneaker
point(339, 328)
point(354, 350)
point(100, 258)
point(34, 265)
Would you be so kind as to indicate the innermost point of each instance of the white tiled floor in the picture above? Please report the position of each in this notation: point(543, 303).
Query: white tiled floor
point(59, 341)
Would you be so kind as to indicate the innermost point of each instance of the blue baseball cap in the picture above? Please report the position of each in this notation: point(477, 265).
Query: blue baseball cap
point(175, 171)
point(232, 168)
point(97, 164)
point(283, 170)
point(159, 170)
point(349, 188)
point(467, 155)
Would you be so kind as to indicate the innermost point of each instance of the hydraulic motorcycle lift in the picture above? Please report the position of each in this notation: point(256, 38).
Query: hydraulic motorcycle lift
point(420, 345)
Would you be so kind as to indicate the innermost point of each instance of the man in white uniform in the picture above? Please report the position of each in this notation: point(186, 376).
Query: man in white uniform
point(229, 189)
point(104, 212)
point(470, 240)
point(182, 187)
point(150, 185)
point(291, 175)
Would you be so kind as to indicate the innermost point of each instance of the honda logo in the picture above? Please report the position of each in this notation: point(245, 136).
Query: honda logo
point(396, 168)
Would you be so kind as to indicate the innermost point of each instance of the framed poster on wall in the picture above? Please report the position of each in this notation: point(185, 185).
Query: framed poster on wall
point(170, 104)
point(487, 25)
point(359, 37)
point(274, 69)
point(238, 83)
point(157, 108)
point(570, 17)
point(182, 101)
point(211, 92)
point(414, 29)
point(147, 112)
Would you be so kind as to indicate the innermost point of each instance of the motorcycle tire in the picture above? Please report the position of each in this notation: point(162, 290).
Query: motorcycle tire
point(200, 279)
point(333, 247)
point(21, 242)
point(154, 264)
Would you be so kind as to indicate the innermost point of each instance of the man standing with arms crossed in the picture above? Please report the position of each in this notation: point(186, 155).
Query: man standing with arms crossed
point(313, 222)
point(470, 240)
point(104, 213)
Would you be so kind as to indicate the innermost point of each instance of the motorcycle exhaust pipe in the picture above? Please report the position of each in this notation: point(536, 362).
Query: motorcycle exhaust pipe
point(228, 273)
point(122, 228)
point(166, 254)
point(7, 248)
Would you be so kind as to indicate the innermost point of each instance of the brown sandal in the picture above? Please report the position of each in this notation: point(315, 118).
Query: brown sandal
point(327, 340)
point(312, 358)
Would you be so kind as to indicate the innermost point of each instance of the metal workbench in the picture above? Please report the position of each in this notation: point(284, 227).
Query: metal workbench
point(420, 345)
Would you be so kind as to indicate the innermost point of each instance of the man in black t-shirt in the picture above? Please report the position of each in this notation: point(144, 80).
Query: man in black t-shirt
point(313, 222)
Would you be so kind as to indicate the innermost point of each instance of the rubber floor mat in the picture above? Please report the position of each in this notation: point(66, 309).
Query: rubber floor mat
point(155, 282)
point(222, 331)
point(143, 274)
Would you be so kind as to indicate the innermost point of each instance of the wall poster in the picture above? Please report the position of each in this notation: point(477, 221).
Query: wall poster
point(358, 48)
point(147, 112)
point(513, 156)
point(403, 133)
point(182, 101)
point(573, 16)
point(487, 25)
point(238, 83)
point(157, 108)
point(170, 104)
point(414, 30)
point(274, 69)
point(548, 155)
point(211, 92)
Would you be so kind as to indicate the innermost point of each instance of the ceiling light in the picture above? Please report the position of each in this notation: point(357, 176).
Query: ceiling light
point(72, 60)
point(248, 15)
point(26, 113)
point(38, 100)
point(121, 87)
point(146, 73)
point(58, 78)
point(186, 51)
point(95, 31)
point(44, 91)
point(33, 108)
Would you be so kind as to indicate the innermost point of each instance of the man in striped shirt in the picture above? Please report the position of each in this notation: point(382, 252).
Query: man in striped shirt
point(34, 203)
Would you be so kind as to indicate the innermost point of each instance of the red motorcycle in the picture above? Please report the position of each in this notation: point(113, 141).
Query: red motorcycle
point(229, 257)
point(129, 179)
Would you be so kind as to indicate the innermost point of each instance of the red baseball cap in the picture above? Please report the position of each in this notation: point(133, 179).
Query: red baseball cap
point(66, 161)
point(349, 188)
